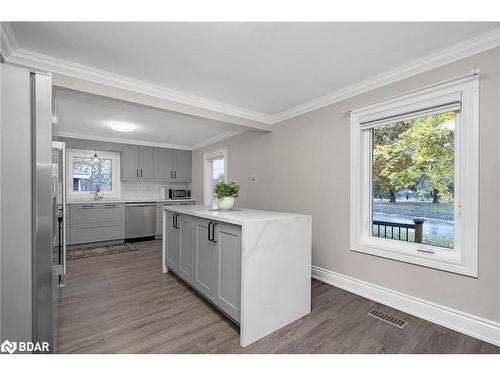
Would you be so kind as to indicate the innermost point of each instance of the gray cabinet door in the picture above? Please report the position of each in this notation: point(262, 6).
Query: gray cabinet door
point(146, 162)
point(129, 163)
point(163, 164)
point(186, 237)
point(96, 222)
point(228, 261)
point(159, 219)
point(204, 273)
point(173, 250)
point(182, 165)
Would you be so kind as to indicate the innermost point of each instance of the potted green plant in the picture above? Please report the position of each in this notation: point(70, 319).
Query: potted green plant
point(226, 194)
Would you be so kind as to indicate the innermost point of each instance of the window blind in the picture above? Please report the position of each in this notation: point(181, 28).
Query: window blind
point(454, 106)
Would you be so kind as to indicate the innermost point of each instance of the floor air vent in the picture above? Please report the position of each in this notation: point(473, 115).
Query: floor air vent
point(388, 318)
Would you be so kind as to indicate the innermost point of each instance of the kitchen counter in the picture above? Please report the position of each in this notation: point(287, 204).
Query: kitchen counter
point(108, 201)
point(254, 265)
point(239, 216)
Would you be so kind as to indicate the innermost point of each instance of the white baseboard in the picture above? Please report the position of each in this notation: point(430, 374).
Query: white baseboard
point(462, 322)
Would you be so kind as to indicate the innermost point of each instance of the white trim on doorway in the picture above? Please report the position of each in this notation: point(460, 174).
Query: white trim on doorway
point(468, 324)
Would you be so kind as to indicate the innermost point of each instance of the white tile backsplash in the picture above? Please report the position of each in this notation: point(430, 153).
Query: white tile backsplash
point(147, 190)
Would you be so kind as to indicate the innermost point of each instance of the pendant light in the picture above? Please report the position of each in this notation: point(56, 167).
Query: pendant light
point(96, 160)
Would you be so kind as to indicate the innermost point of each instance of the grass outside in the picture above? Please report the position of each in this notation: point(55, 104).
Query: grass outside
point(410, 209)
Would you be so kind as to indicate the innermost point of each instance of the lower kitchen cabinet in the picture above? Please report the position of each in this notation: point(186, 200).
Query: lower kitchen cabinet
point(96, 222)
point(253, 265)
point(228, 268)
point(87, 233)
point(186, 226)
point(205, 264)
point(159, 213)
point(207, 255)
point(172, 256)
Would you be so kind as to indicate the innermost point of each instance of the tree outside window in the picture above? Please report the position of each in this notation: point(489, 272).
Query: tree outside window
point(413, 175)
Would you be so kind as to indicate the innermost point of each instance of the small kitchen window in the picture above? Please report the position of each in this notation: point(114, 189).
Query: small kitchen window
point(86, 173)
point(414, 177)
point(215, 170)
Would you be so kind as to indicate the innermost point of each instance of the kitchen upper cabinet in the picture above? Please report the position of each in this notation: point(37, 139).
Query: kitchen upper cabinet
point(172, 165)
point(146, 162)
point(143, 163)
point(137, 163)
point(163, 164)
point(129, 163)
point(182, 165)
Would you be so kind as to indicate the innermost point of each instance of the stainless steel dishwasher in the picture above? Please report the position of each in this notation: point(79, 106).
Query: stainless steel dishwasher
point(140, 219)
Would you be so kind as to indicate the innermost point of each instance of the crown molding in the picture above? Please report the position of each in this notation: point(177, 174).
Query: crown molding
point(7, 39)
point(219, 138)
point(21, 56)
point(122, 140)
point(478, 44)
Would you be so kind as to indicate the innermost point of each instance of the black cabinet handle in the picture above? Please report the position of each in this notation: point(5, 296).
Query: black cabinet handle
point(208, 231)
point(174, 221)
point(137, 173)
point(141, 173)
point(213, 232)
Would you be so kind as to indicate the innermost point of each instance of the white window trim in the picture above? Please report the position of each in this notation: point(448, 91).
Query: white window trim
point(463, 259)
point(207, 174)
point(115, 162)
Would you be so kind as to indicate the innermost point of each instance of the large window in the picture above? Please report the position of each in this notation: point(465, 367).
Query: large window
point(86, 175)
point(414, 177)
point(215, 170)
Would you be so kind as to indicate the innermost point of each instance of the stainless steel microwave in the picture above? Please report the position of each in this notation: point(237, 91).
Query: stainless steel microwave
point(179, 194)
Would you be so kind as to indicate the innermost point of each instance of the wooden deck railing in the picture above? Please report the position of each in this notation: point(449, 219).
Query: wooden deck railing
point(397, 228)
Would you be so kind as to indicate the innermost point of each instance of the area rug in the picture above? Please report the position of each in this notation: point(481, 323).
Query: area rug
point(94, 251)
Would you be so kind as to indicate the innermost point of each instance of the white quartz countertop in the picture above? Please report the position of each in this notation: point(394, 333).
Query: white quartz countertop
point(240, 216)
point(112, 201)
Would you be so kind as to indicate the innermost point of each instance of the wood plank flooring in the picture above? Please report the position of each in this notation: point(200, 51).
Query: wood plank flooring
point(122, 303)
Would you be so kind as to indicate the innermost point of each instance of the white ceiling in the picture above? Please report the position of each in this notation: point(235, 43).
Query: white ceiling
point(89, 116)
point(262, 67)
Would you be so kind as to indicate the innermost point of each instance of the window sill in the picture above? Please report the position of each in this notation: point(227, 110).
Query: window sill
point(442, 259)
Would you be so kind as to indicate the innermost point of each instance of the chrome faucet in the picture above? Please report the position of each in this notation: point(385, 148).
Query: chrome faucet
point(98, 195)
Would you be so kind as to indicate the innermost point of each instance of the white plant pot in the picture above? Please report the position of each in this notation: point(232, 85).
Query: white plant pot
point(225, 203)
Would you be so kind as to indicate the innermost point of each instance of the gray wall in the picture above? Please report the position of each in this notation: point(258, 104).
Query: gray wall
point(303, 166)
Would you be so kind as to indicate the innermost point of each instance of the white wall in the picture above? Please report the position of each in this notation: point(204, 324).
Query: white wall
point(303, 166)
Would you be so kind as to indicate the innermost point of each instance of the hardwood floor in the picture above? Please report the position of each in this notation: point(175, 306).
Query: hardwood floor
point(122, 303)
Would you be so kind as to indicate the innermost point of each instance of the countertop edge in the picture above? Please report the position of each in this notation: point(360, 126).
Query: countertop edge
point(236, 221)
point(116, 201)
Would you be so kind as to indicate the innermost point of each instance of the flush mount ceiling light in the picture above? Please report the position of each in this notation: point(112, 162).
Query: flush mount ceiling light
point(121, 127)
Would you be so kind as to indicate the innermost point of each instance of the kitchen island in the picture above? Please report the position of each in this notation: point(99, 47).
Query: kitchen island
point(254, 265)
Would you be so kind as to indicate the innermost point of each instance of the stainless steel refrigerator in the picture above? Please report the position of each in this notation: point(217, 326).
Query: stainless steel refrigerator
point(32, 198)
